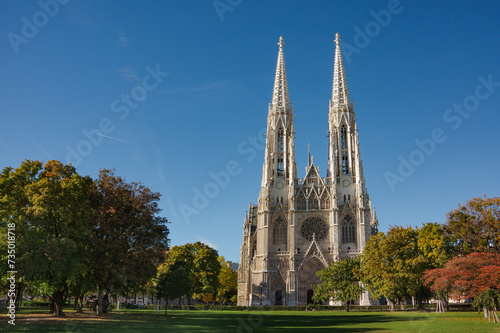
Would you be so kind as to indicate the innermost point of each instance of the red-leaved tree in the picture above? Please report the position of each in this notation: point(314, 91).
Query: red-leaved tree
point(466, 276)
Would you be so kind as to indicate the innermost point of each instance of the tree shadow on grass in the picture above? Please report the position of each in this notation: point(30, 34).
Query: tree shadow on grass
point(225, 321)
point(290, 322)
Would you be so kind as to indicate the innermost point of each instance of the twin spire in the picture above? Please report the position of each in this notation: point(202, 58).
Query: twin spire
point(280, 91)
point(340, 91)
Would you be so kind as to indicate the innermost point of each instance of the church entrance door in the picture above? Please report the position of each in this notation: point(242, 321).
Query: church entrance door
point(310, 294)
point(279, 297)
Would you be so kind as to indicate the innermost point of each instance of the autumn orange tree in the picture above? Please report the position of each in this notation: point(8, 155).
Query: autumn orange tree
point(128, 237)
point(468, 276)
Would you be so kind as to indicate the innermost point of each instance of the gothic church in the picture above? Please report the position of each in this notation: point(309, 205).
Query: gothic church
point(301, 225)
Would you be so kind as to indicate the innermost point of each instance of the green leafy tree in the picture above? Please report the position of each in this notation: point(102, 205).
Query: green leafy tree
point(475, 226)
point(128, 240)
point(392, 265)
point(205, 270)
point(173, 280)
point(14, 218)
point(49, 206)
point(489, 301)
point(204, 267)
point(339, 282)
point(228, 282)
point(434, 245)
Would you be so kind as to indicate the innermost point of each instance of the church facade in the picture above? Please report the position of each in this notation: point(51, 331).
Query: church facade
point(301, 225)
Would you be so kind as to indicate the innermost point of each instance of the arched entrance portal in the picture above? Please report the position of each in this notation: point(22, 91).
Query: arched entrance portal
point(278, 292)
point(307, 277)
point(279, 297)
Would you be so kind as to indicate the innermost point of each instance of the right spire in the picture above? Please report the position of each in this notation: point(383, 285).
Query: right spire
point(340, 92)
point(280, 91)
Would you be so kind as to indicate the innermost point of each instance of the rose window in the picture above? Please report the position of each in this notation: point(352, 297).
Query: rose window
point(313, 225)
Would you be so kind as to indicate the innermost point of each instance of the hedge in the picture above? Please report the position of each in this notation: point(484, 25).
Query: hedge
point(310, 307)
point(315, 307)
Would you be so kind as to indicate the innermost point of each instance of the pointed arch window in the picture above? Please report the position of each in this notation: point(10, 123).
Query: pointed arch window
point(343, 137)
point(343, 145)
point(280, 232)
point(345, 167)
point(280, 166)
point(313, 202)
point(325, 201)
point(301, 202)
point(348, 230)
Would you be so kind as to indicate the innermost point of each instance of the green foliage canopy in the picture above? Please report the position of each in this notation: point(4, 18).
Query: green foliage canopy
point(50, 208)
point(475, 226)
point(340, 282)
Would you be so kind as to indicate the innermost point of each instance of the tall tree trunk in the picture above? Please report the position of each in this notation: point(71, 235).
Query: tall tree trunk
point(99, 301)
point(420, 302)
point(105, 303)
point(117, 298)
point(79, 303)
point(58, 299)
point(19, 294)
point(166, 306)
point(391, 303)
point(51, 305)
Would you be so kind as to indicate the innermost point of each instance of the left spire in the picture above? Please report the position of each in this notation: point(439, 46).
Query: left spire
point(280, 91)
point(340, 92)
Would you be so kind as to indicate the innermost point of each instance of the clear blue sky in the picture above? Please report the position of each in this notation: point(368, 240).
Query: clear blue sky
point(70, 68)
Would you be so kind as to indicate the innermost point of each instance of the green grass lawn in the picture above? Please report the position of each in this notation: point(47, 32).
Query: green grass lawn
point(28, 320)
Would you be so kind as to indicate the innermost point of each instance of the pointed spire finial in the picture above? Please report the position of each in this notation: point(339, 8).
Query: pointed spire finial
point(281, 43)
point(337, 39)
point(308, 154)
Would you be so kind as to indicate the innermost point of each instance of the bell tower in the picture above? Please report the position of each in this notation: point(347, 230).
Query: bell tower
point(279, 162)
point(353, 217)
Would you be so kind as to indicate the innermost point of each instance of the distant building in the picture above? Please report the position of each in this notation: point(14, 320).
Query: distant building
point(301, 225)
